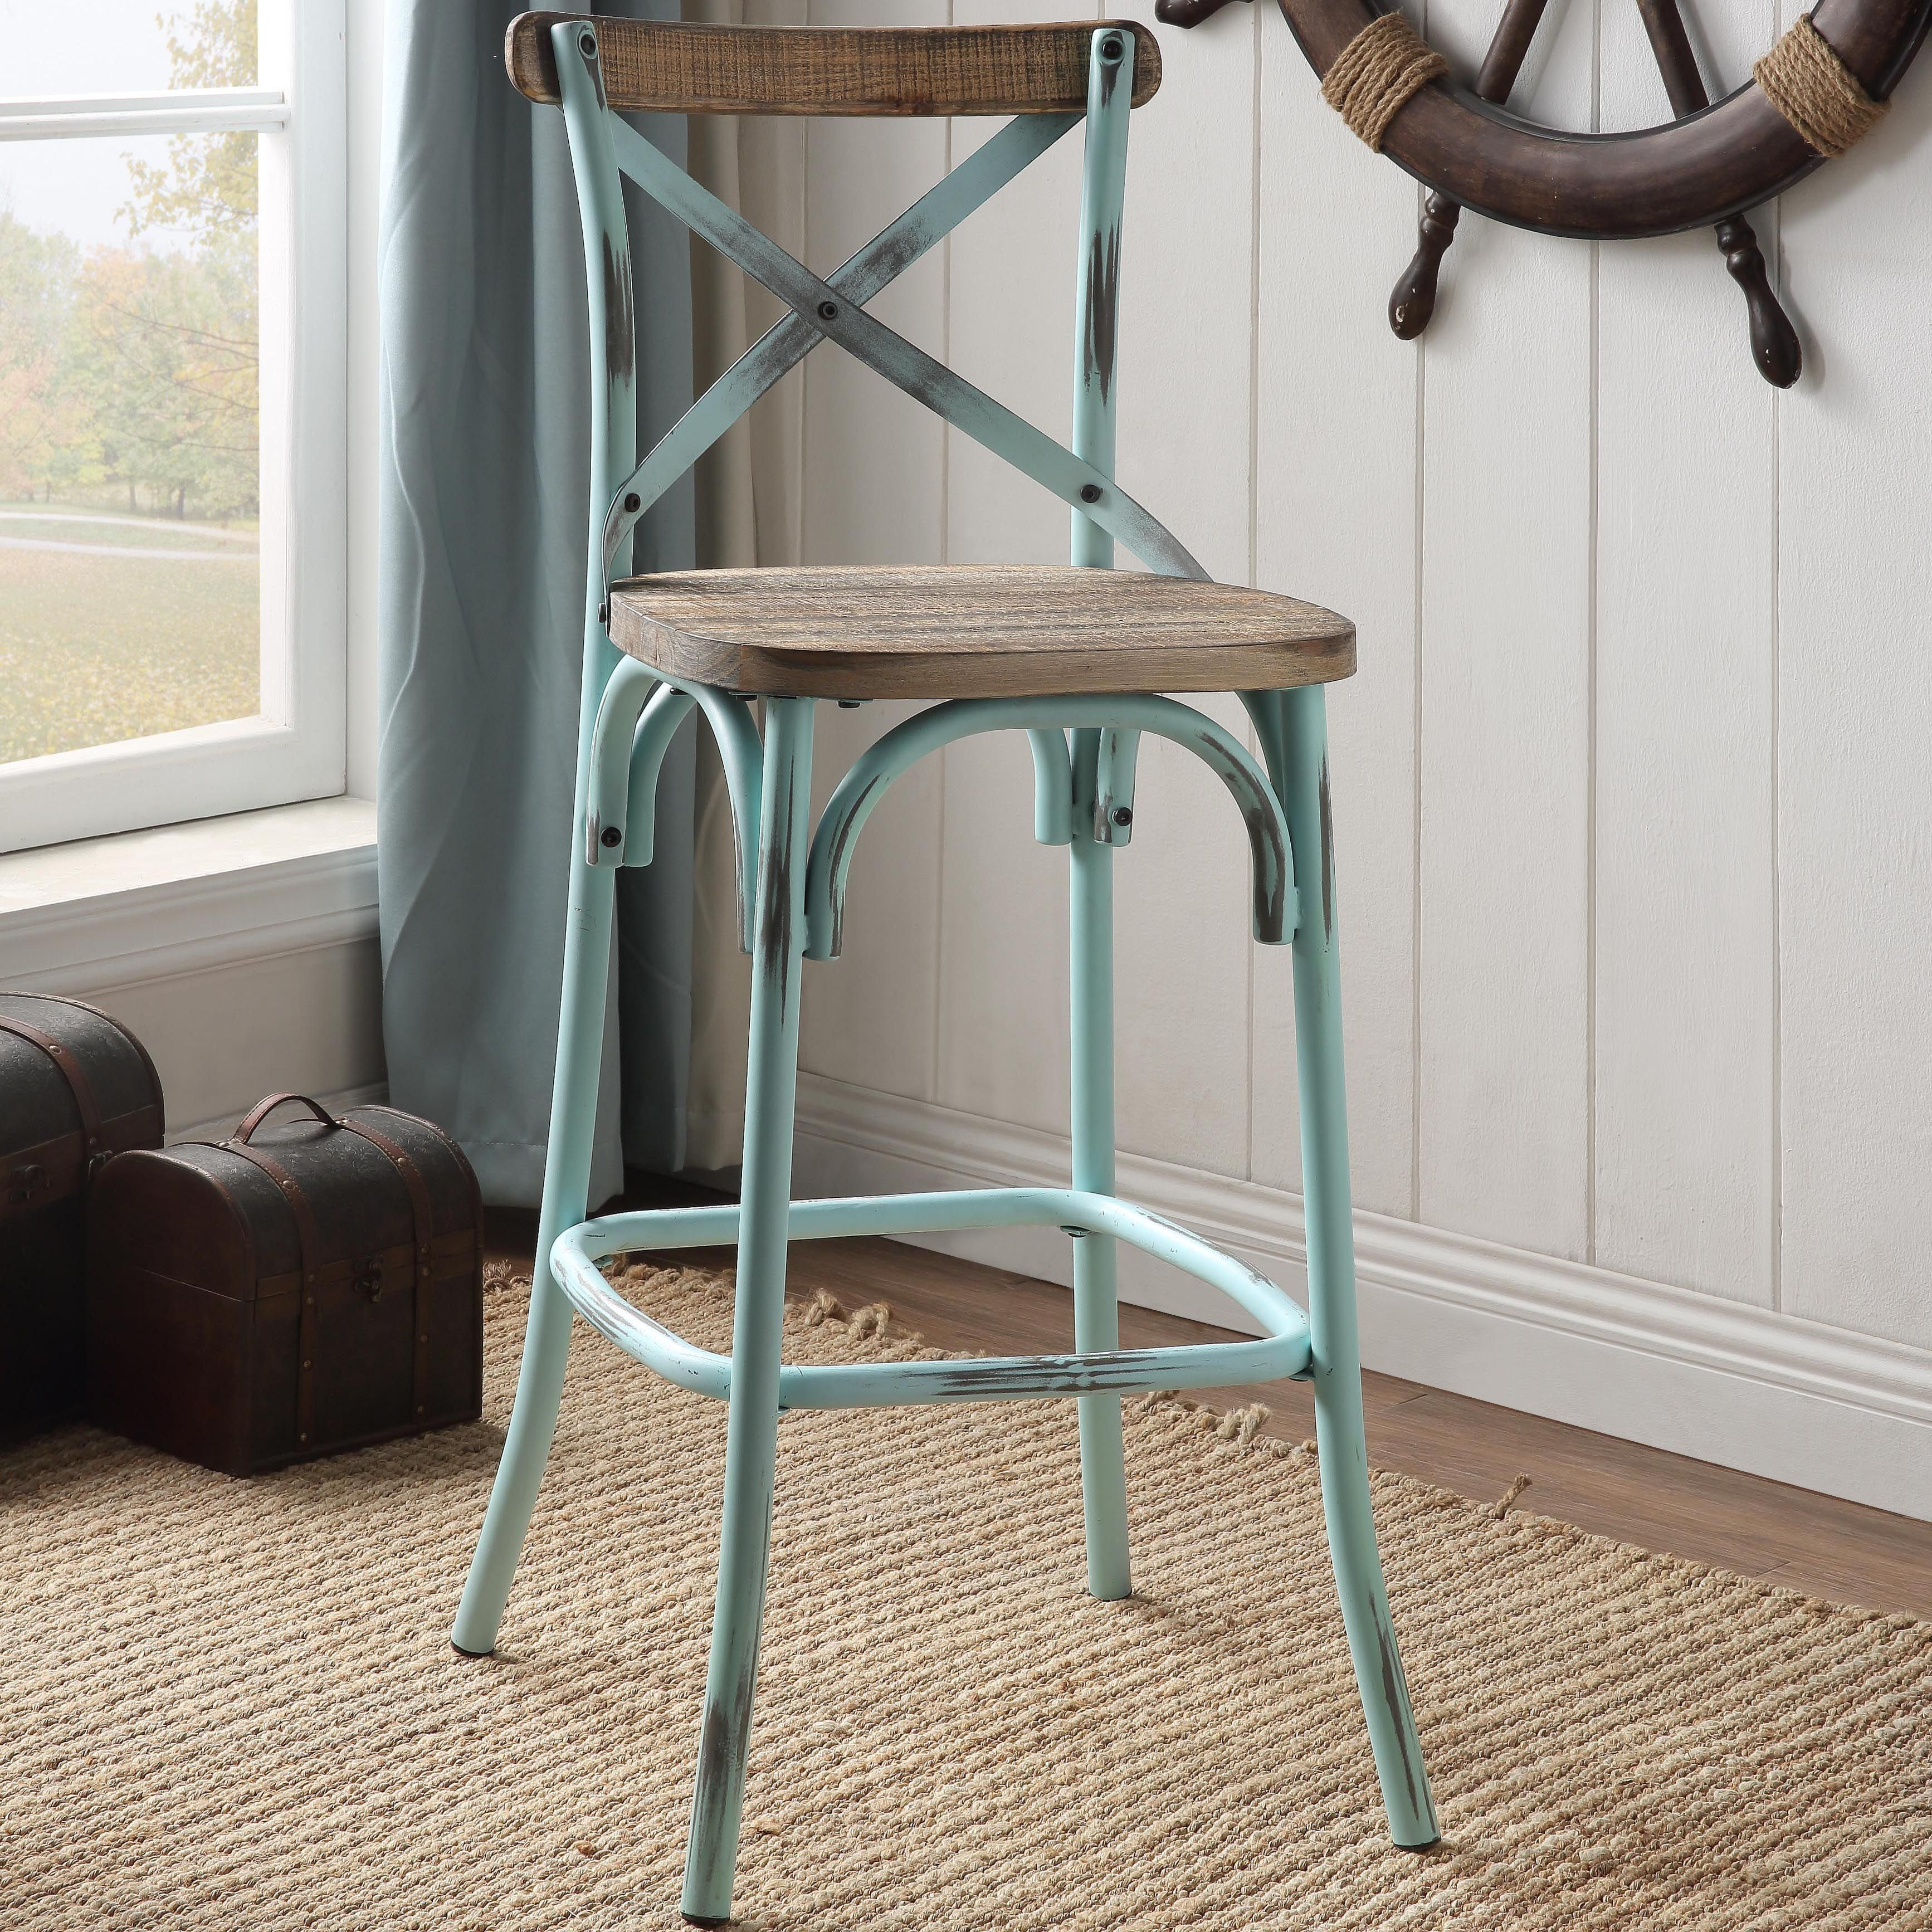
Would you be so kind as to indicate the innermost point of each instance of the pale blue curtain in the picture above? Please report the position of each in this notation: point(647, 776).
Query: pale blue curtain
point(484, 495)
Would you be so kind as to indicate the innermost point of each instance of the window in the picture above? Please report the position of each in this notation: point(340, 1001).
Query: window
point(173, 359)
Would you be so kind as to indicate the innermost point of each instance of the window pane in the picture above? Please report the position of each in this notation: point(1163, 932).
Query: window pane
point(130, 465)
point(125, 46)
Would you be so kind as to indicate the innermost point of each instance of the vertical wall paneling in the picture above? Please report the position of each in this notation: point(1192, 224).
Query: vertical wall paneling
point(1634, 812)
point(876, 462)
point(867, 1016)
point(883, 449)
point(1011, 322)
point(1854, 720)
point(774, 167)
point(1507, 429)
point(750, 491)
point(1002, 1011)
point(1685, 631)
point(1181, 895)
point(1336, 523)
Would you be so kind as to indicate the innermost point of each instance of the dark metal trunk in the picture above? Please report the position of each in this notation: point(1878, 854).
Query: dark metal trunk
point(296, 1291)
point(75, 1088)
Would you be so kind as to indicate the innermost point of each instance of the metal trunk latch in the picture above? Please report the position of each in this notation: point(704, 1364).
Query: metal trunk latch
point(27, 1185)
point(369, 1279)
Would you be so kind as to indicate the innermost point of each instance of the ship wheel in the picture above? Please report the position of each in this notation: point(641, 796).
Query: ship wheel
point(1819, 89)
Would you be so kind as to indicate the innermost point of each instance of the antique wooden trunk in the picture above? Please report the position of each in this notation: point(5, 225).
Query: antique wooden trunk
point(304, 1288)
point(75, 1088)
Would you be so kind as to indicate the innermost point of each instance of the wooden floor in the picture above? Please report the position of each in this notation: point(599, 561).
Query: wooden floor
point(1788, 1536)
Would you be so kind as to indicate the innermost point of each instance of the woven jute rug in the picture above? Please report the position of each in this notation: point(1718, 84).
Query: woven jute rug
point(228, 1705)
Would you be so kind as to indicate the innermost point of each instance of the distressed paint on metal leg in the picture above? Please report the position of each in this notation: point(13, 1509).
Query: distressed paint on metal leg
point(547, 1335)
point(587, 952)
point(757, 1313)
point(1096, 1313)
point(1297, 723)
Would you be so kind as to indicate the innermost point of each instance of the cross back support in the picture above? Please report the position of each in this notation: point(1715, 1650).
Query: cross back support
point(888, 255)
point(603, 145)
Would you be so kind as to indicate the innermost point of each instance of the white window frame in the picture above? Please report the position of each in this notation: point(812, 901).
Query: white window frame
point(296, 747)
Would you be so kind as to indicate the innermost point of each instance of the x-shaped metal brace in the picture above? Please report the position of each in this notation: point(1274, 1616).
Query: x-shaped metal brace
point(833, 309)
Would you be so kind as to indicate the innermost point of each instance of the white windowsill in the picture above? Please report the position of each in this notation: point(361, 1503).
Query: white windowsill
point(138, 906)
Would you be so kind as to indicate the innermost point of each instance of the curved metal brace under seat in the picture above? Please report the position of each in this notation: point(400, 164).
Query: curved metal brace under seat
point(627, 691)
point(637, 719)
point(1119, 719)
point(668, 709)
point(1052, 787)
point(1283, 1350)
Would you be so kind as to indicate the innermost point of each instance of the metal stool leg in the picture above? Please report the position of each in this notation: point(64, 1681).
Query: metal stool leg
point(1096, 1314)
point(587, 945)
point(1337, 1372)
point(758, 1314)
point(573, 1118)
point(1096, 1321)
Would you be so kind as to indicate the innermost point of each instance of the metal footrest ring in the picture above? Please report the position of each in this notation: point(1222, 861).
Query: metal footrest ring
point(1283, 1350)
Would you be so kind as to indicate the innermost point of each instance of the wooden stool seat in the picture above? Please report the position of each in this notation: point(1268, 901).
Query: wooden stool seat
point(1007, 630)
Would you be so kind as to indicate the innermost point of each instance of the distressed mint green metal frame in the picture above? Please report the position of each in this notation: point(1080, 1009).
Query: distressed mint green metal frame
point(792, 882)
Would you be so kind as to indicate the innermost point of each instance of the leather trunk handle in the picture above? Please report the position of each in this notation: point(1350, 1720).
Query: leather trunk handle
point(260, 1112)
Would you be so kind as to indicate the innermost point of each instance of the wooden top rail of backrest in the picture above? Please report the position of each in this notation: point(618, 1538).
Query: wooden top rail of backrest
point(654, 67)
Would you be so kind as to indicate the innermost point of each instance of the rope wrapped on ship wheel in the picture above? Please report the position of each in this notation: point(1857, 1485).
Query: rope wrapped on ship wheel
point(1819, 89)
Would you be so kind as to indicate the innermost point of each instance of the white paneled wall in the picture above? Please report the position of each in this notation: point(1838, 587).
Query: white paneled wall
point(1634, 799)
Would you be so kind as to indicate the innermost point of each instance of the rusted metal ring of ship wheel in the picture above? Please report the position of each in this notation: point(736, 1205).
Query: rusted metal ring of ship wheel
point(1714, 160)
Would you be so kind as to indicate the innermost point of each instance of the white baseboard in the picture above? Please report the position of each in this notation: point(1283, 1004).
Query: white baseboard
point(1778, 1396)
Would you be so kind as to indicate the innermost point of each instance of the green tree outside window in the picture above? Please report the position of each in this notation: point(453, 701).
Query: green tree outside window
point(135, 369)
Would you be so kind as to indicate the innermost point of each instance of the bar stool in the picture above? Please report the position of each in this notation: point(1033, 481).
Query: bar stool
point(1072, 655)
